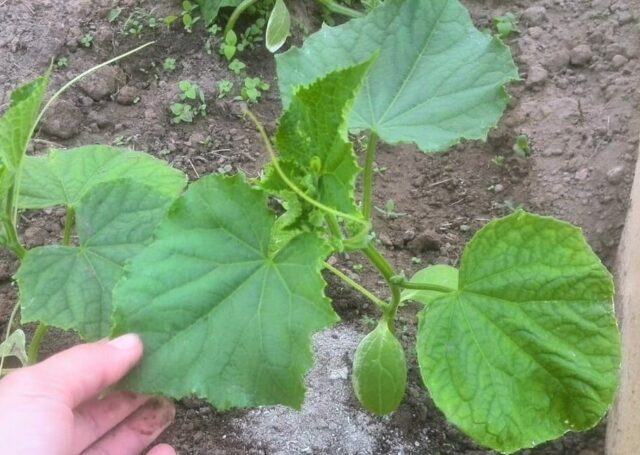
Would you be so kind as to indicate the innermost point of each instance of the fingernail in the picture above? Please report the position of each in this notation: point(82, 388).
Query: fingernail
point(123, 342)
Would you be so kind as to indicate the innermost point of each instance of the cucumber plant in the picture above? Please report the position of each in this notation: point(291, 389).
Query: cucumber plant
point(516, 346)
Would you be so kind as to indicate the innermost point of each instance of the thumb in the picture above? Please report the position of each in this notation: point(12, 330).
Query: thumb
point(81, 372)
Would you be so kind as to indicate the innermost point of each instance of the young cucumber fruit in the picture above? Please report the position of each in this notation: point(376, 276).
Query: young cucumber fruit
point(379, 371)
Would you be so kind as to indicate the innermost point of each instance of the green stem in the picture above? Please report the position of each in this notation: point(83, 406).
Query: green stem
point(12, 239)
point(367, 179)
point(334, 227)
point(362, 290)
point(388, 273)
point(10, 222)
point(340, 9)
point(69, 222)
point(424, 287)
point(34, 347)
point(236, 15)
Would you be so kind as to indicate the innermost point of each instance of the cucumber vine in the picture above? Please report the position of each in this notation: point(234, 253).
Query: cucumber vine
point(516, 346)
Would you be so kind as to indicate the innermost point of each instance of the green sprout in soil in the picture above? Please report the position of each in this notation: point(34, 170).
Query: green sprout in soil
point(188, 14)
point(389, 210)
point(505, 25)
point(224, 88)
point(252, 90)
point(169, 65)
point(114, 14)
point(192, 103)
point(86, 40)
point(138, 21)
point(236, 66)
point(521, 147)
point(498, 160)
point(61, 63)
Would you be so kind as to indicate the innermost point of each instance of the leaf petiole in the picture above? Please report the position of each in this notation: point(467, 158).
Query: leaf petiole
point(34, 347)
point(69, 222)
point(362, 290)
point(340, 9)
point(367, 178)
point(236, 15)
point(388, 273)
point(424, 286)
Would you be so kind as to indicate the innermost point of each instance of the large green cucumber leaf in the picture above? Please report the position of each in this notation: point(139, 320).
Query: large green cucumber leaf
point(17, 124)
point(223, 317)
point(63, 177)
point(528, 347)
point(70, 286)
point(210, 8)
point(437, 79)
point(312, 140)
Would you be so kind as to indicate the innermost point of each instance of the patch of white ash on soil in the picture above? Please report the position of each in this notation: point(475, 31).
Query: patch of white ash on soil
point(331, 420)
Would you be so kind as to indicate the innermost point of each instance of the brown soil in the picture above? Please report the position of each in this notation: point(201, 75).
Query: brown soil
point(577, 102)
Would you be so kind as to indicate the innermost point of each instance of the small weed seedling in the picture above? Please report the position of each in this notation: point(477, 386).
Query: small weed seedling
point(505, 25)
point(224, 169)
point(236, 66)
point(228, 46)
point(389, 210)
point(137, 22)
point(114, 14)
point(169, 65)
point(522, 147)
point(224, 88)
point(61, 63)
point(252, 90)
point(517, 345)
point(498, 160)
point(192, 103)
point(188, 14)
point(86, 40)
point(212, 31)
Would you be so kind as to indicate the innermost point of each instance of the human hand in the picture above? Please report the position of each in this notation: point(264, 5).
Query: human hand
point(53, 407)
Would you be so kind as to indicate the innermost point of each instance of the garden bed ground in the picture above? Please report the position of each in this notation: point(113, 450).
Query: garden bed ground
point(578, 103)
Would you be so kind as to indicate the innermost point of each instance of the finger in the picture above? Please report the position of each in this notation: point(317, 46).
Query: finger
point(80, 373)
point(96, 417)
point(162, 449)
point(138, 431)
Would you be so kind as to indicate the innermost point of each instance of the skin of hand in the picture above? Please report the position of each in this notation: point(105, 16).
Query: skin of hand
point(55, 407)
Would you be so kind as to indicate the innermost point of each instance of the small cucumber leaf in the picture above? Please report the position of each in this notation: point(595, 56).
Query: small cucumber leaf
point(314, 149)
point(17, 124)
point(64, 177)
point(528, 348)
point(16, 127)
point(379, 375)
point(441, 275)
point(14, 346)
point(221, 316)
point(278, 26)
point(70, 287)
point(437, 79)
